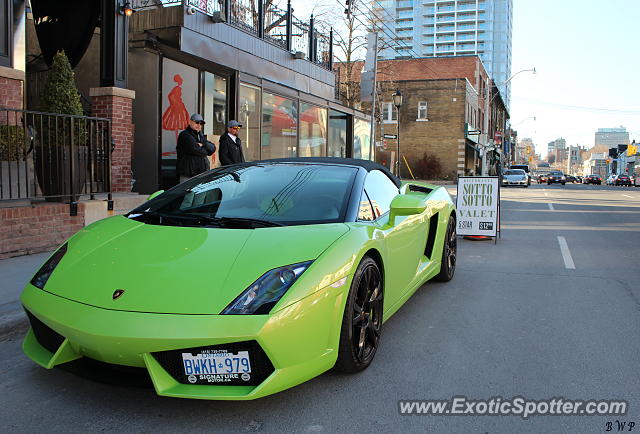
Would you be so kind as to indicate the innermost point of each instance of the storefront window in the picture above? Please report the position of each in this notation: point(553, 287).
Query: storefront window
point(249, 113)
point(279, 127)
point(362, 139)
point(179, 101)
point(337, 134)
point(215, 107)
point(313, 130)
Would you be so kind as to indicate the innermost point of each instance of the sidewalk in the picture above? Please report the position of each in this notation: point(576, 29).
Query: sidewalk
point(14, 274)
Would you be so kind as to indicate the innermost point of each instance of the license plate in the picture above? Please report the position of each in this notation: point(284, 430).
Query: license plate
point(216, 366)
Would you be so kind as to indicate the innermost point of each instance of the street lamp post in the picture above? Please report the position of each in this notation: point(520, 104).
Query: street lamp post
point(488, 101)
point(397, 101)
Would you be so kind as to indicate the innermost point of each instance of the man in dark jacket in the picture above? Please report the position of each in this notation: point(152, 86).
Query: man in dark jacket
point(230, 145)
point(193, 149)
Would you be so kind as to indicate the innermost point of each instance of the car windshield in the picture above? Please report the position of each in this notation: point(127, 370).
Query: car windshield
point(514, 172)
point(257, 195)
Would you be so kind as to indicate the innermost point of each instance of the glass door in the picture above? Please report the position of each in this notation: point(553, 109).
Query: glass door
point(214, 110)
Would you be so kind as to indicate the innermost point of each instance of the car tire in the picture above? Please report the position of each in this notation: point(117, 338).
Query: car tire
point(562, 183)
point(362, 319)
point(449, 252)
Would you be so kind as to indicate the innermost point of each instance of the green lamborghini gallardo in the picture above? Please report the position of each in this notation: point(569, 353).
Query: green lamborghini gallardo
point(244, 280)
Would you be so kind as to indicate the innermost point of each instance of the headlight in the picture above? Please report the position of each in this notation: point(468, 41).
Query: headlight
point(41, 277)
point(264, 293)
point(564, 177)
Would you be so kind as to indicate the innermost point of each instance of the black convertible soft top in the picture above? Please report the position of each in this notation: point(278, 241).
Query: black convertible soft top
point(365, 164)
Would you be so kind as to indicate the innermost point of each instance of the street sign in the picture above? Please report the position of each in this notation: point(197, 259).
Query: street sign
point(389, 136)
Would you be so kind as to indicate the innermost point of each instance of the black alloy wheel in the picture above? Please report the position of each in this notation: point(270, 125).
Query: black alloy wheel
point(362, 319)
point(449, 251)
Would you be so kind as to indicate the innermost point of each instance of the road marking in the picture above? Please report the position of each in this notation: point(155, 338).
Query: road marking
point(551, 207)
point(626, 195)
point(566, 254)
point(546, 194)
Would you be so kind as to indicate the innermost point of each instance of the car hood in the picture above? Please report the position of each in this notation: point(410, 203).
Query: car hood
point(184, 270)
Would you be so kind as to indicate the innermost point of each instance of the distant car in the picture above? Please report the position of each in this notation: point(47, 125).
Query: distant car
point(636, 181)
point(622, 180)
point(610, 179)
point(542, 178)
point(517, 177)
point(556, 178)
point(592, 179)
point(579, 179)
point(570, 178)
point(524, 167)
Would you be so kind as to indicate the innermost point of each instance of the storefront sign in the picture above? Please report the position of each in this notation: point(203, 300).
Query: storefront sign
point(478, 205)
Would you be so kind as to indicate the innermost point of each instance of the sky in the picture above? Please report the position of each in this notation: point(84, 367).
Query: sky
point(586, 55)
point(587, 61)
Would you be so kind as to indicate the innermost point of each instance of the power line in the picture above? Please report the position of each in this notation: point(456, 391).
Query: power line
point(579, 108)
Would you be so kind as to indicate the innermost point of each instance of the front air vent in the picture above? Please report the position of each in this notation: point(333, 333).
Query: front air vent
point(45, 336)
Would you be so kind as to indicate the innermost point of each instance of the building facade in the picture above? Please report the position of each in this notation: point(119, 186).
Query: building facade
point(280, 88)
point(595, 164)
point(557, 151)
point(444, 28)
point(524, 150)
point(574, 159)
point(452, 120)
point(611, 137)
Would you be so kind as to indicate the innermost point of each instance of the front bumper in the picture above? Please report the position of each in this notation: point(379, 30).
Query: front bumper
point(298, 342)
point(520, 183)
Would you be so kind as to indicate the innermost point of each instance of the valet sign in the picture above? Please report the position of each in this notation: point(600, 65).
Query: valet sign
point(478, 205)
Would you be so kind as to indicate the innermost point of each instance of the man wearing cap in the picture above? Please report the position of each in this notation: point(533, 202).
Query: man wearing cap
point(230, 145)
point(193, 149)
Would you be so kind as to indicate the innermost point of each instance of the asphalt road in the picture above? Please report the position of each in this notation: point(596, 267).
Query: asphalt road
point(520, 318)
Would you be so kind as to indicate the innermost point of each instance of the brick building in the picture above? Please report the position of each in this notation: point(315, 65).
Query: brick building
point(449, 118)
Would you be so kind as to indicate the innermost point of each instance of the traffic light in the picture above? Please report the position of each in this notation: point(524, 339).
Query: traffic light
point(530, 159)
point(528, 149)
point(631, 150)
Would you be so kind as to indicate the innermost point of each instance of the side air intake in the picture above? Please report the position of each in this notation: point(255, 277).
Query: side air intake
point(431, 237)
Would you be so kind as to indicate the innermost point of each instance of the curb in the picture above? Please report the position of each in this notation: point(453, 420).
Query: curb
point(12, 322)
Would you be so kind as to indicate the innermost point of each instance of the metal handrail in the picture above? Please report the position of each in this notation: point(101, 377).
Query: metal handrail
point(53, 156)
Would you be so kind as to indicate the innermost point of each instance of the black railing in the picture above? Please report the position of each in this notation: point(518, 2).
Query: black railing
point(266, 20)
point(53, 157)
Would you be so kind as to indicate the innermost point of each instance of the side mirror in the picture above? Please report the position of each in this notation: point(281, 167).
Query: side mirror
point(157, 193)
point(407, 204)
